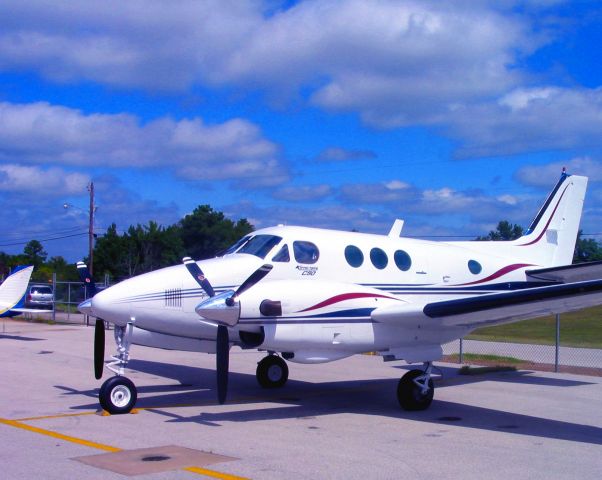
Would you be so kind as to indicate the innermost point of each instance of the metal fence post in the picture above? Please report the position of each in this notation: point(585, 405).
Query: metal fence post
point(68, 302)
point(461, 359)
point(53, 297)
point(557, 354)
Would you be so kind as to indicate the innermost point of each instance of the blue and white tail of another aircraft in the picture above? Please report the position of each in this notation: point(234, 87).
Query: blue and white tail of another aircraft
point(13, 291)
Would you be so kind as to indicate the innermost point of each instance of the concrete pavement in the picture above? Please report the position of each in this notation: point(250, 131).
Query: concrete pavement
point(338, 420)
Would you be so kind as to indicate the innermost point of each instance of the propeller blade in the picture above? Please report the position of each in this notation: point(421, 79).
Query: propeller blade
point(99, 347)
point(255, 277)
point(198, 275)
point(86, 279)
point(222, 360)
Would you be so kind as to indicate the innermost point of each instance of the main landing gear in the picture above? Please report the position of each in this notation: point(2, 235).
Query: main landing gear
point(415, 389)
point(272, 372)
point(118, 394)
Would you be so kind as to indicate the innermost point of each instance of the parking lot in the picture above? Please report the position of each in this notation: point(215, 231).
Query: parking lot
point(338, 420)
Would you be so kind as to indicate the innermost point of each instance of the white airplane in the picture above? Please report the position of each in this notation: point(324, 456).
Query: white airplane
point(314, 295)
point(13, 291)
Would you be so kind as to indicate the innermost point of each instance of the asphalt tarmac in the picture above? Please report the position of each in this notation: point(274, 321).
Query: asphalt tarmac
point(331, 421)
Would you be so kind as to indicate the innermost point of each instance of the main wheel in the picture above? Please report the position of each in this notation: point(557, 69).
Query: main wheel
point(118, 395)
point(410, 395)
point(272, 372)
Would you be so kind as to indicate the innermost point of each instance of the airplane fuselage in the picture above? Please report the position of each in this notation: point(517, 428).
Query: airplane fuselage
point(326, 282)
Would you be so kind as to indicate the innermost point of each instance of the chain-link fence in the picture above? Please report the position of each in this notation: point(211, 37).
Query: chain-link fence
point(67, 296)
point(551, 355)
point(549, 351)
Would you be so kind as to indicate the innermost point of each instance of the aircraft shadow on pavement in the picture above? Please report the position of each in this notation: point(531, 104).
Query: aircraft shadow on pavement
point(300, 399)
point(450, 376)
point(20, 338)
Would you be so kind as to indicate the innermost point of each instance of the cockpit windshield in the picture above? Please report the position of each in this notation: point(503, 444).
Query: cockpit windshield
point(236, 246)
point(258, 245)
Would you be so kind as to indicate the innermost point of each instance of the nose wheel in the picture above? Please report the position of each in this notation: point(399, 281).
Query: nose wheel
point(118, 395)
point(272, 372)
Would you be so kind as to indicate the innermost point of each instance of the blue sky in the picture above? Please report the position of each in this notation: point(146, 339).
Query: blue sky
point(343, 114)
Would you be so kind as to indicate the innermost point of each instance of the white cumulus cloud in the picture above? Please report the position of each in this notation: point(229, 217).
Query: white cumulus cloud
point(41, 181)
point(44, 133)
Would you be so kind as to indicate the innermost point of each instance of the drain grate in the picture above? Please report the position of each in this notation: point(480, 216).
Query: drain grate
point(155, 458)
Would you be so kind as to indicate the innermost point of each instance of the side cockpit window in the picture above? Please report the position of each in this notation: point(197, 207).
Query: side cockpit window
point(305, 252)
point(282, 255)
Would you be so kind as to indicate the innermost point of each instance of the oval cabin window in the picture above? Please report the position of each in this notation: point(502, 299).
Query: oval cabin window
point(379, 258)
point(354, 256)
point(402, 260)
point(474, 267)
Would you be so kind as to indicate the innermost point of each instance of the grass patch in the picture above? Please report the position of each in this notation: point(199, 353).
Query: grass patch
point(483, 358)
point(487, 363)
point(577, 329)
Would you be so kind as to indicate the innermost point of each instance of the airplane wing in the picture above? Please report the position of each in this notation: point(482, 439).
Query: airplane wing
point(495, 308)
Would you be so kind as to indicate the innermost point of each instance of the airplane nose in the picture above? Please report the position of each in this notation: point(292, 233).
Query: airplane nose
point(110, 305)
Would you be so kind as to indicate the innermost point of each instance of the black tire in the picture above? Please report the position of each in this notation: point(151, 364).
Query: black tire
point(272, 372)
point(410, 395)
point(118, 395)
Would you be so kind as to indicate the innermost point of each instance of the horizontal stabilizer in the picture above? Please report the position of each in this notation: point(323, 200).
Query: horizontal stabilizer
point(30, 310)
point(580, 272)
point(499, 308)
point(495, 308)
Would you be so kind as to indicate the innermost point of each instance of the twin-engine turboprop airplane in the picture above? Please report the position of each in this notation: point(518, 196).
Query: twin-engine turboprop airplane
point(313, 295)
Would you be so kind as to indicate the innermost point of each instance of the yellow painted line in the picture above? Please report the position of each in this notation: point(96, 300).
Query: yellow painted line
point(213, 474)
point(62, 415)
point(67, 438)
point(106, 448)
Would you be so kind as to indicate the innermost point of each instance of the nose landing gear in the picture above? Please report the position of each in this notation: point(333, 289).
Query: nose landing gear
point(118, 394)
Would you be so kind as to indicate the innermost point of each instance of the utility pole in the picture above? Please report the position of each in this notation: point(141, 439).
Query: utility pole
point(91, 229)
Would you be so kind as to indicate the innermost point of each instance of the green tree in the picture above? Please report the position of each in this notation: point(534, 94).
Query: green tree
point(34, 253)
point(64, 271)
point(586, 249)
point(110, 255)
point(152, 246)
point(205, 232)
point(142, 248)
point(504, 231)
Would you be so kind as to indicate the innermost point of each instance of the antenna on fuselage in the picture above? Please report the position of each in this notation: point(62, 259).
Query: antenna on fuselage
point(395, 231)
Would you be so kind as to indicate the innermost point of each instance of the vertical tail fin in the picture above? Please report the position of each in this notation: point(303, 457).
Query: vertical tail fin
point(553, 233)
point(14, 288)
point(85, 277)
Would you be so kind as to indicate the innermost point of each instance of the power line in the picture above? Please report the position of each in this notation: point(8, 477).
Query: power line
point(31, 233)
point(44, 239)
